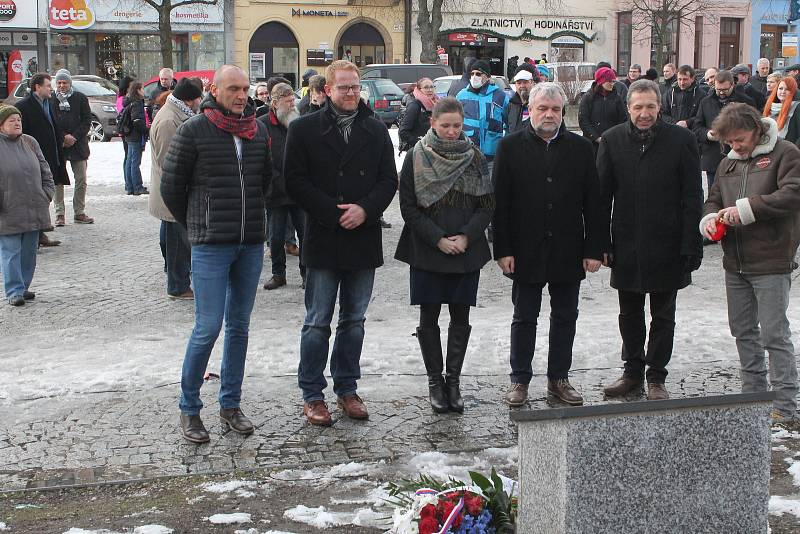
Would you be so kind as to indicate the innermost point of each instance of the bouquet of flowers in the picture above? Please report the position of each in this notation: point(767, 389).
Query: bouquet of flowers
point(428, 506)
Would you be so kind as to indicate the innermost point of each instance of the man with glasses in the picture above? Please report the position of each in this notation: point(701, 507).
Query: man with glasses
point(517, 110)
point(339, 168)
point(722, 95)
point(262, 95)
point(634, 73)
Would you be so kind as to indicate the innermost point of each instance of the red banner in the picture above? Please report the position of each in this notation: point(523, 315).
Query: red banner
point(465, 37)
point(15, 70)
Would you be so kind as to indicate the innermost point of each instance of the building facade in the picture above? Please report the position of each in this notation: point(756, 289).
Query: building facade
point(769, 24)
point(277, 38)
point(109, 38)
point(716, 37)
point(498, 31)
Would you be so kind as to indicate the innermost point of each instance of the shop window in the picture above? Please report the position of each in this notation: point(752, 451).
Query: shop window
point(280, 49)
point(138, 56)
point(365, 43)
point(624, 41)
point(208, 51)
point(771, 37)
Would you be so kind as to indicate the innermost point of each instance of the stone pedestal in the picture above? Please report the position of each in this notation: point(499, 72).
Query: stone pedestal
point(681, 465)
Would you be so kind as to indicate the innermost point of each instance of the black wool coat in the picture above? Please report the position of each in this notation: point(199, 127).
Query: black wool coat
point(711, 152)
point(681, 104)
point(217, 197)
point(276, 194)
point(76, 122)
point(49, 137)
point(424, 227)
point(656, 194)
point(548, 212)
point(598, 112)
point(322, 171)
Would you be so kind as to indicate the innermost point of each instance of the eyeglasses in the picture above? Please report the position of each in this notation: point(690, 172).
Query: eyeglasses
point(427, 87)
point(347, 88)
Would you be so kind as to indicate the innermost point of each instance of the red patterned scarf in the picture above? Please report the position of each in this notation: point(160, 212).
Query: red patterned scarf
point(244, 126)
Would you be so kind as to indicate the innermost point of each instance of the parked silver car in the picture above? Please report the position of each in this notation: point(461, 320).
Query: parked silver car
point(102, 95)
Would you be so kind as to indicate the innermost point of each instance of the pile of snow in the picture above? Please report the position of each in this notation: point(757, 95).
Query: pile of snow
point(229, 519)
point(794, 469)
point(781, 433)
point(239, 486)
point(324, 474)
point(152, 529)
point(3, 526)
point(318, 517)
point(780, 505)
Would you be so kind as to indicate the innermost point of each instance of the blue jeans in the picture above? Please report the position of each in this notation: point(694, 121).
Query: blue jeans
point(18, 261)
point(225, 284)
point(278, 222)
point(355, 291)
point(133, 173)
point(527, 299)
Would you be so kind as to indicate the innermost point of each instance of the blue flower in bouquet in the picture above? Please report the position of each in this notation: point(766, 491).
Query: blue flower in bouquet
point(477, 525)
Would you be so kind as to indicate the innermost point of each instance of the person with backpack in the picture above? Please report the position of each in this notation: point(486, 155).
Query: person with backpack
point(417, 119)
point(133, 125)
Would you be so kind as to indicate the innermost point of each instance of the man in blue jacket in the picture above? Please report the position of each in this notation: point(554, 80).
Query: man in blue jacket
point(484, 109)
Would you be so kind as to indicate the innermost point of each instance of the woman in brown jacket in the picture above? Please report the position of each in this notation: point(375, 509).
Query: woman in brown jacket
point(756, 196)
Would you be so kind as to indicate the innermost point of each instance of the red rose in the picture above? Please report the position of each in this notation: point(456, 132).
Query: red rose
point(428, 511)
point(443, 510)
point(457, 521)
point(428, 525)
point(474, 504)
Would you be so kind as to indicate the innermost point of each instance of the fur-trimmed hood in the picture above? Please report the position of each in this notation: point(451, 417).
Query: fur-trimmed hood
point(766, 145)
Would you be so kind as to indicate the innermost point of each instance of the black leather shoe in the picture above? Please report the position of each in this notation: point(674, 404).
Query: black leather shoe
point(193, 429)
point(236, 420)
point(16, 300)
point(29, 295)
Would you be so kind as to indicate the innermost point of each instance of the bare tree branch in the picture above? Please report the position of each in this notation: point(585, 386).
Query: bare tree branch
point(189, 2)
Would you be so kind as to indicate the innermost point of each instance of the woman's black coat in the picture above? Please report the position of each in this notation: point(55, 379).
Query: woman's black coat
point(424, 227)
point(139, 127)
point(50, 137)
point(322, 172)
point(416, 123)
point(655, 191)
point(548, 212)
point(597, 112)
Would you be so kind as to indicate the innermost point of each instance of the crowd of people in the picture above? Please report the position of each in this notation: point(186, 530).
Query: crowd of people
point(230, 173)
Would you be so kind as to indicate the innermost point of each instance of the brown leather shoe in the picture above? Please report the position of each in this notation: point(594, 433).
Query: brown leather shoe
point(352, 406)
point(45, 241)
point(83, 219)
point(657, 391)
point(317, 413)
point(60, 221)
point(275, 282)
point(517, 395)
point(292, 249)
point(623, 386)
point(563, 391)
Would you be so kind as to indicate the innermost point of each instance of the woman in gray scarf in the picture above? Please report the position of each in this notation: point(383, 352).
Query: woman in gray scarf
point(26, 187)
point(447, 200)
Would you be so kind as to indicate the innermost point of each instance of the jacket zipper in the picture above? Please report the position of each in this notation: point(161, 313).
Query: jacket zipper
point(241, 183)
point(208, 209)
point(742, 190)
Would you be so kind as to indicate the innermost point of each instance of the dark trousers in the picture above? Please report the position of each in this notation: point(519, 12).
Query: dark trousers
point(527, 299)
point(634, 331)
point(278, 219)
point(178, 257)
point(710, 177)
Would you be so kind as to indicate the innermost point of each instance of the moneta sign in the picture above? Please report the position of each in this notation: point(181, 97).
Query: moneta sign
point(73, 14)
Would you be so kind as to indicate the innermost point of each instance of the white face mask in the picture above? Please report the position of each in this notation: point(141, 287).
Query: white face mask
point(476, 82)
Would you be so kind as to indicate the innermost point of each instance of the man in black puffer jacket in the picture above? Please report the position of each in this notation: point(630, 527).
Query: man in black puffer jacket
point(215, 176)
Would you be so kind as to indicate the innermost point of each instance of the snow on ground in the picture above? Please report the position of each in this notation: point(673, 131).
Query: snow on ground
point(144, 529)
point(794, 469)
point(241, 487)
point(229, 519)
point(780, 505)
point(3, 526)
point(779, 434)
point(318, 517)
point(326, 474)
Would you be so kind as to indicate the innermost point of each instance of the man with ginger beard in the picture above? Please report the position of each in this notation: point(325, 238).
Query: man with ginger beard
point(340, 169)
point(282, 112)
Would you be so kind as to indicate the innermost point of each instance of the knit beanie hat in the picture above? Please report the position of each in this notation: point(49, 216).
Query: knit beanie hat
point(6, 111)
point(483, 66)
point(63, 75)
point(187, 90)
point(603, 75)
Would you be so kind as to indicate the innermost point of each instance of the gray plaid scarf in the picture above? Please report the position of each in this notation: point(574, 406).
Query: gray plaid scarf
point(441, 166)
point(344, 121)
point(189, 112)
point(63, 103)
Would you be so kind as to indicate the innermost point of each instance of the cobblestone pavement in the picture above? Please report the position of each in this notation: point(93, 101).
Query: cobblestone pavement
point(105, 283)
